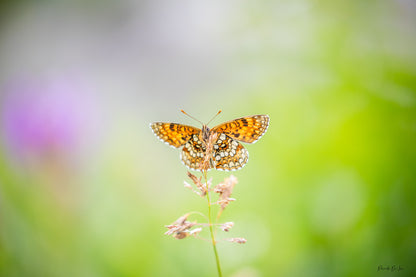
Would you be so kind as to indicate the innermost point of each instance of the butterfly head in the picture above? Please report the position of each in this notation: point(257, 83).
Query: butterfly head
point(205, 132)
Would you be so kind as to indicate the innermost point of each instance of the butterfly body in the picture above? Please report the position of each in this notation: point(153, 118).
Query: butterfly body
point(205, 132)
point(227, 152)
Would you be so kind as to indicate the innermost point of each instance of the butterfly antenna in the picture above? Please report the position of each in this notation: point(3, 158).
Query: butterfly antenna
point(191, 117)
point(214, 117)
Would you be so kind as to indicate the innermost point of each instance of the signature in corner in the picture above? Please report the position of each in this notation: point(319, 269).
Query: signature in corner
point(390, 268)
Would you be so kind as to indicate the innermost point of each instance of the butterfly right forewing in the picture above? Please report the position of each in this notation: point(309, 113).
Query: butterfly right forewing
point(247, 129)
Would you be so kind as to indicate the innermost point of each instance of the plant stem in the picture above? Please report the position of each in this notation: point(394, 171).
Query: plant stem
point(214, 243)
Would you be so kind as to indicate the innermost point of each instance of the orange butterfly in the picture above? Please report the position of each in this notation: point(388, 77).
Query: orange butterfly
point(228, 154)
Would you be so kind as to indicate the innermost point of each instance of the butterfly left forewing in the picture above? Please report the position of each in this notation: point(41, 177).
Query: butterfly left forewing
point(173, 134)
point(247, 129)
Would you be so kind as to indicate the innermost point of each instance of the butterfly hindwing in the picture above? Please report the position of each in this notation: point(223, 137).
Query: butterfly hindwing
point(247, 129)
point(173, 134)
point(229, 154)
point(193, 153)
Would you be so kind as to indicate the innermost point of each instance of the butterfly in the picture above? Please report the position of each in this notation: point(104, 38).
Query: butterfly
point(227, 152)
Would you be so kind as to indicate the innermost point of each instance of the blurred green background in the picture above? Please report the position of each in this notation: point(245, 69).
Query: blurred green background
point(86, 188)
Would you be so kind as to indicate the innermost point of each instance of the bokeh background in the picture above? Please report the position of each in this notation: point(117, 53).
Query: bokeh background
point(86, 188)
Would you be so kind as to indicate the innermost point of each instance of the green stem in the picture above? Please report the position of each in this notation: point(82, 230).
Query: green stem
point(214, 243)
